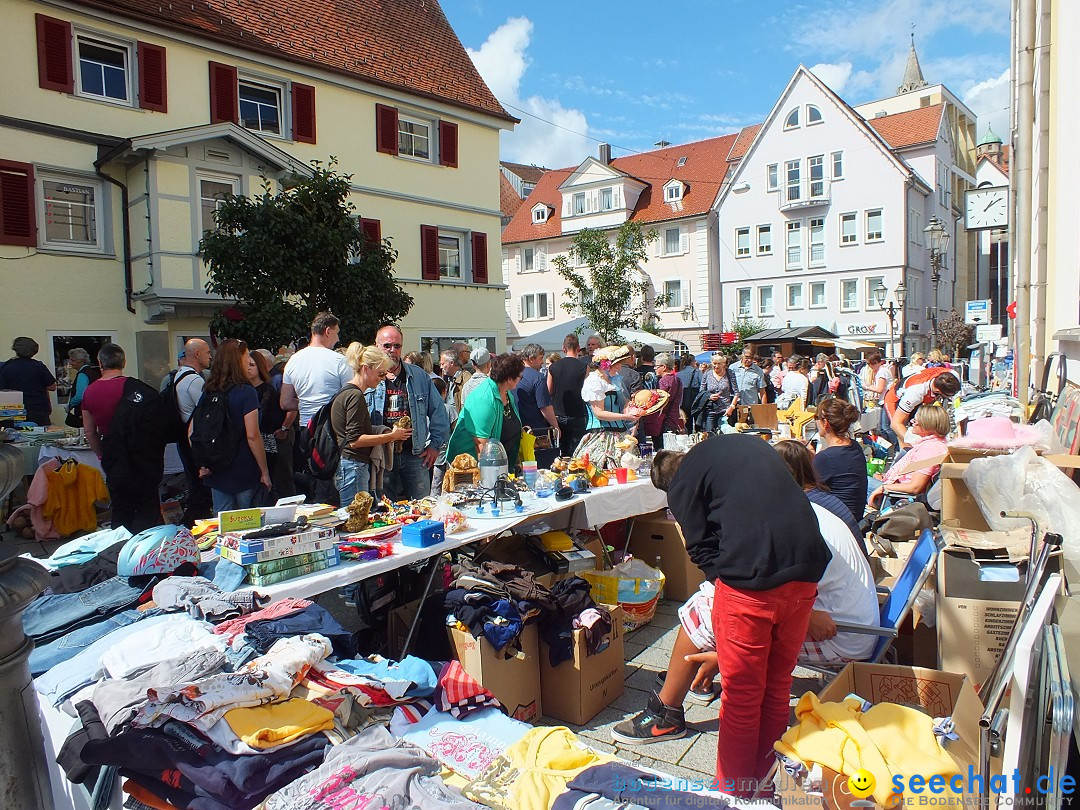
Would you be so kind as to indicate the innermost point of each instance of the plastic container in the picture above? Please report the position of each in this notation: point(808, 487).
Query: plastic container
point(493, 463)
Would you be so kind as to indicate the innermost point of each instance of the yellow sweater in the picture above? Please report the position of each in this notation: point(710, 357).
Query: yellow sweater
point(277, 723)
point(73, 489)
point(886, 740)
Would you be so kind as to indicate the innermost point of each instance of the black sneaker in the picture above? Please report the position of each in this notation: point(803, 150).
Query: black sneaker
point(704, 698)
point(658, 722)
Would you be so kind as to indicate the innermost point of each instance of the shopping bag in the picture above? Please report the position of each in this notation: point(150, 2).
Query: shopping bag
point(527, 447)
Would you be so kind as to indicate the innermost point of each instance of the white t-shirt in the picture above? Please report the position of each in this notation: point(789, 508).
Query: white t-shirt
point(846, 591)
point(316, 373)
point(188, 392)
point(795, 385)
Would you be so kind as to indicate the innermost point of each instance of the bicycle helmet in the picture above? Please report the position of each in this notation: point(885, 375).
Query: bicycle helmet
point(160, 550)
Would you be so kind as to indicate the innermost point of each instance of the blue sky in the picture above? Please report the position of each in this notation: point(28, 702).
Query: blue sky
point(633, 73)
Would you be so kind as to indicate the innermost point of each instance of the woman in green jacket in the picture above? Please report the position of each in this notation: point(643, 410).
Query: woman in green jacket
point(490, 412)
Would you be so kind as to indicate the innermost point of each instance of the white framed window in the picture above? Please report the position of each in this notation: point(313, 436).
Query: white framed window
point(672, 241)
point(261, 109)
point(673, 191)
point(793, 177)
point(914, 226)
point(527, 189)
point(69, 210)
point(579, 203)
point(536, 307)
point(872, 283)
point(742, 297)
point(815, 168)
point(673, 294)
point(794, 296)
point(792, 120)
point(794, 245)
point(450, 256)
point(837, 165)
point(817, 295)
point(912, 302)
point(764, 240)
point(104, 68)
point(212, 189)
point(764, 301)
point(817, 242)
point(742, 242)
point(849, 295)
point(813, 115)
point(528, 260)
point(414, 137)
point(606, 199)
point(540, 214)
point(849, 229)
point(771, 175)
point(874, 231)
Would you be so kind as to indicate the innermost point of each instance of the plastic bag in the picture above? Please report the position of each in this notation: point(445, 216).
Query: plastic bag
point(453, 519)
point(631, 581)
point(1021, 481)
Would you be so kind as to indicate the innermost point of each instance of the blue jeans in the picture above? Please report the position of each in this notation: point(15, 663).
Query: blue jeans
point(352, 477)
point(55, 615)
point(49, 654)
point(409, 480)
point(227, 501)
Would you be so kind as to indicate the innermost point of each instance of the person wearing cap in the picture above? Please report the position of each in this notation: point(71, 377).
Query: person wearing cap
point(481, 360)
point(32, 377)
point(603, 404)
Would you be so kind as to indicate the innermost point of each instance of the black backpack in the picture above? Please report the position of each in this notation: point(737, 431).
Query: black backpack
point(74, 417)
point(322, 453)
point(214, 437)
point(178, 427)
point(137, 434)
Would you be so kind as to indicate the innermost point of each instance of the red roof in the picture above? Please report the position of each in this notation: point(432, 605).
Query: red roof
point(404, 44)
point(742, 143)
point(909, 128)
point(702, 173)
point(1002, 161)
point(509, 201)
point(528, 174)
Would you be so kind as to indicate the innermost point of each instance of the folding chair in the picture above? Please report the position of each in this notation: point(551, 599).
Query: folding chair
point(898, 601)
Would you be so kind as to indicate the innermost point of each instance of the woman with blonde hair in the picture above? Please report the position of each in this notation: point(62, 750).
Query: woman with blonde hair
point(351, 421)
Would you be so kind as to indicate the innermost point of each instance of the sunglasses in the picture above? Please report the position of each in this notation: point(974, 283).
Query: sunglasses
point(391, 345)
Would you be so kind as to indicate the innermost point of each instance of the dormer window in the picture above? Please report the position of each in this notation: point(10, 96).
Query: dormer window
point(540, 214)
point(673, 191)
point(682, 162)
point(792, 120)
point(813, 115)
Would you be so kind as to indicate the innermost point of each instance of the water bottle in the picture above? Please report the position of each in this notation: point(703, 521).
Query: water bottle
point(493, 463)
point(645, 448)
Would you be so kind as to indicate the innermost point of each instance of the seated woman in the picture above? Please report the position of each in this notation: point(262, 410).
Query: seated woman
point(846, 593)
point(489, 412)
point(926, 433)
point(801, 463)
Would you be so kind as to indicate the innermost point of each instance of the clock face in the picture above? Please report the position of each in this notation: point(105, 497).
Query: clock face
point(987, 208)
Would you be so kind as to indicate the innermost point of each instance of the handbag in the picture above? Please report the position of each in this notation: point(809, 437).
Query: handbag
point(527, 446)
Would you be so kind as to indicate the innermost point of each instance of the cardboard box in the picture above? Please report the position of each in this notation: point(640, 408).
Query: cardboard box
point(576, 690)
point(939, 694)
point(958, 505)
point(764, 415)
point(656, 535)
point(513, 676)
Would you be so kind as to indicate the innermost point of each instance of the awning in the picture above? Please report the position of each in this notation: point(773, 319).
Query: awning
point(552, 337)
point(845, 343)
point(803, 333)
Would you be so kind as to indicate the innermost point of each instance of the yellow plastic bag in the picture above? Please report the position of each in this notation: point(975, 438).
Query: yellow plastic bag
point(527, 448)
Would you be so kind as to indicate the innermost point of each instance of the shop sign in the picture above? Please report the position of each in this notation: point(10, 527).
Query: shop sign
point(862, 329)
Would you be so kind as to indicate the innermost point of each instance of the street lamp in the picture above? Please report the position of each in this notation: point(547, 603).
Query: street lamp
point(891, 310)
point(937, 242)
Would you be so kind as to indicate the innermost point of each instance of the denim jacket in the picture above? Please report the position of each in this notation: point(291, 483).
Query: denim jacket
point(423, 399)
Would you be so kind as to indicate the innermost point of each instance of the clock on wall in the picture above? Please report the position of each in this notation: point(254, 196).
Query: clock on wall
point(986, 207)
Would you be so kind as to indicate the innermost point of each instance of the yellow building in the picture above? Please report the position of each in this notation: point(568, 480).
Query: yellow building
point(119, 129)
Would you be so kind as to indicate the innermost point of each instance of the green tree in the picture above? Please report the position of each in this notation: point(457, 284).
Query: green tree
point(284, 256)
point(611, 294)
point(743, 327)
point(953, 335)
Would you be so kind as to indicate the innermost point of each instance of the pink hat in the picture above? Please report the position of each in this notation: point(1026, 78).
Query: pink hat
point(997, 433)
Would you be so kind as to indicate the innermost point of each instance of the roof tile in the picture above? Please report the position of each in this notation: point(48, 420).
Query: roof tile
point(909, 128)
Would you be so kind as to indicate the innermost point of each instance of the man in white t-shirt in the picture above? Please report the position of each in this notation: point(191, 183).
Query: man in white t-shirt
point(312, 376)
point(187, 383)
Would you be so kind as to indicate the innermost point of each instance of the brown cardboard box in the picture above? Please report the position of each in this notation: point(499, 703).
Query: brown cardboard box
point(939, 693)
point(512, 676)
point(764, 415)
point(576, 690)
point(656, 535)
point(958, 506)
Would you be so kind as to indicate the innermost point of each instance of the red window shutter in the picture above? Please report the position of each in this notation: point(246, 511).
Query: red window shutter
point(224, 102)
point(479, 258)
point(386, 129)
point(429, 253)
point(303, 113)
point(372, 229)
point(153, 82)
point(54, 54)
point(448, 144)
point(17, 215)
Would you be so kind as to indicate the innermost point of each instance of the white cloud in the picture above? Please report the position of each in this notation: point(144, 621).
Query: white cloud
point(835, 76)
point(989, 100)
point(503, 61)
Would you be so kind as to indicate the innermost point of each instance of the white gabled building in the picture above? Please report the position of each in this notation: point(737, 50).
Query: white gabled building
point(824, 205)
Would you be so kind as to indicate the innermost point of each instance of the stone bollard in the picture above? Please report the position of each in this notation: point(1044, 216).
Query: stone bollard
point(24, 772)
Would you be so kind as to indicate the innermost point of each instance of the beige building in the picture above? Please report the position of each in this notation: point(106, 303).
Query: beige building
point(132, 121)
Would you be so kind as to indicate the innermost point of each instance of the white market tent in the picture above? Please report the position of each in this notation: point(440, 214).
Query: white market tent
point(552, 337)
